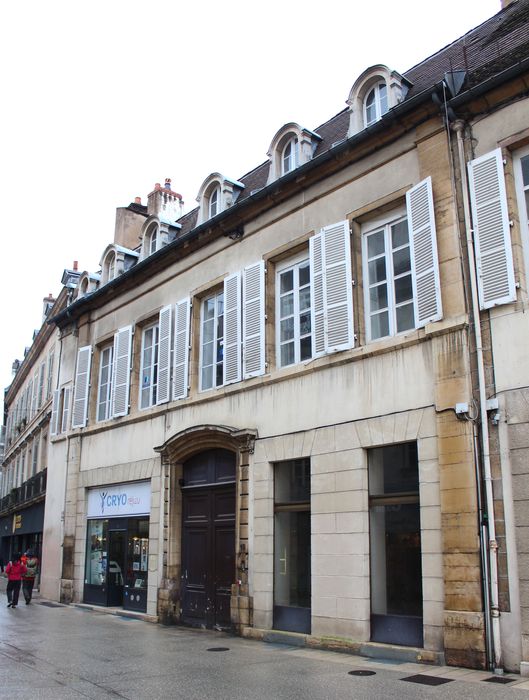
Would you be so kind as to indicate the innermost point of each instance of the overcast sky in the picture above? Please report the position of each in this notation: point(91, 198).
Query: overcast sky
point(101, 100)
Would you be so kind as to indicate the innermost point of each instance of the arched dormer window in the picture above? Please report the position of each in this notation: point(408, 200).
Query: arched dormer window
point(217, 193)
point(115, 261)
point(151, 242)
point(214, 201)
point(374, 93)
point(290, 157)
point(109, 269)
point(83, 287)
point(291, 147)
point(375, 103)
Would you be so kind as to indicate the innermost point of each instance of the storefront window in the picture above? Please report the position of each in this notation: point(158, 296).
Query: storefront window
point(138, 554)
point(96, 553)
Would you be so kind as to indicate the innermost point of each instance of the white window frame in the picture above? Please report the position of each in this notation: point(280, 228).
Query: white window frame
point(293, 158)
point(104, 393)
point(35, 455)
point(214, 202)
point(153, 240)
point(293, 263)
point(523, 208)
point(203, 302)
point(152, 386)
point(110, 265)
point(385, 223)
point(379, 112)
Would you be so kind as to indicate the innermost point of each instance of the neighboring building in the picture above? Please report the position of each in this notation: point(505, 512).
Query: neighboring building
point(282, 401)
point(25, 434)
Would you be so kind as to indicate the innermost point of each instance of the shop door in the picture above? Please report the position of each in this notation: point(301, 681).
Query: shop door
point(208, 538)
point(117, 540)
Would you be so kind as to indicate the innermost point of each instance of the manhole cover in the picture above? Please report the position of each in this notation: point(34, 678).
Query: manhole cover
point(362, 672)
point(218, 649)
point(498, 679)
point(51, 605)
point(427, 680)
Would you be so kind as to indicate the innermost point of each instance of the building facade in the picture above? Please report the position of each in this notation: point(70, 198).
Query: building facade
point(302, 405)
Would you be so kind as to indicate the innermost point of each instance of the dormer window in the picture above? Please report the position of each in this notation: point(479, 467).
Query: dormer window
point(110, 267)
point(291, 147)
point(115, 261)
point(214, 202)
point(216, 194)
point(83, 289)
point(375, 104)
point(290, 158)
point(374, 93)
point(152, 240)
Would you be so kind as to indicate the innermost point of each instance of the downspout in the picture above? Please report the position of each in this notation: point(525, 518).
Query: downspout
point(459, 127)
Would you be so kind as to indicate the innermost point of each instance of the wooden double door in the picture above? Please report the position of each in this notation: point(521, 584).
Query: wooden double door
point(208, 538)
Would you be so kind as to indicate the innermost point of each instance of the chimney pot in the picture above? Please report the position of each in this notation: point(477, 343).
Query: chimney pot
point(137, 200)
point(167, 183)
point(157, 186)
point(75, 263)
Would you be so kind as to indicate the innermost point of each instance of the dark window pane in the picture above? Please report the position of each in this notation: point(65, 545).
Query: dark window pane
point(399, 234)
point(375, 244)
point(405, 318)
point(304, 274)
point(287, 354)
point(292, 572)
point(304, 324)
point(292, 481)
point(377, 270)
point(403, 289)
point(393, 469)
point(305, 348)
point(379, 325)
point(287, 329)
point(287, 281)
point(525, 170)
point(401, 261)
point(378, 297)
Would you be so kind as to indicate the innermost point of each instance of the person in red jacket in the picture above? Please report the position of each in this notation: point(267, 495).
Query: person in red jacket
point(14, 570)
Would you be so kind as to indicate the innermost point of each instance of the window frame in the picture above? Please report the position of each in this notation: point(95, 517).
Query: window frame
point(377, 102)
point(214, 201)
point(152, 386)
point(293, 157)
point(294, 263)
point(369, 228)
point(108, 389)
point(522, 197)
point(214, 385)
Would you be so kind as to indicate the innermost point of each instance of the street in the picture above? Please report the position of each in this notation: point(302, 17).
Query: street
point(54, 651)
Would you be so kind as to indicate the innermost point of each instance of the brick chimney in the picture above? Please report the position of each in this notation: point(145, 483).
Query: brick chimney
point(165, 203)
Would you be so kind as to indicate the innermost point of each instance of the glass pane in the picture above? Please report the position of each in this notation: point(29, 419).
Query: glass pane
point(292, 481)
point(393, 469)
point(287, 329)
point(305, 348)
point(403, 289)
point(207, 381)
point(527, 202)
point(220, 304)
point(370, 99)
point(304, 324)
point(95, 565)
point(286, 305)
point(219, 375)
point(399, 234)
point(207, 331)
point(138, 555)
point(401, 261)
point(145, 397)
point(383, 96)
point(286, 281)
point(375, 244)
point(377, 270)
point(292, 559)
point(209, 308)
point(304, 299)
point(207, 354)
point(395, 537)
point(220, 327)
point(525, 170)
point(405, 317)
point(304, 274)
point(378, 297)
point(379, 325)
point(287, 354)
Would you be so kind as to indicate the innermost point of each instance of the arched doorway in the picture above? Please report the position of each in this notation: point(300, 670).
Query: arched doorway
point(208, 537)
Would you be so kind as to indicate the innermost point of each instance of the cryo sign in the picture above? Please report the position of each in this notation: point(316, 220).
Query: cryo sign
point(120, 500)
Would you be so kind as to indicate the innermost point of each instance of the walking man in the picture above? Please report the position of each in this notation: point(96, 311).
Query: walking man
point(28, 579)
point(14, 570)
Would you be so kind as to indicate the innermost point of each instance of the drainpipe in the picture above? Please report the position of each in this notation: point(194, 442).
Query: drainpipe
point(459, 127)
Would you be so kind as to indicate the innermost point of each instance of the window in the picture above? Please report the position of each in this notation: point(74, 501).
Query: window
point(214, 202)
point(35, 456)
point(388, 285)
point(50, 375)
point(60, 411)
point(212, 342)
point(521, 172)
point(105, 384)
point(290, 156)
point(375, 104)
point(149, 367)
point(110, 267)
point(153, 241)
point(293, 314)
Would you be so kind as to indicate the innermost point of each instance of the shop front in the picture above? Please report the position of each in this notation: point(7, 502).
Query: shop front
point(117, 545)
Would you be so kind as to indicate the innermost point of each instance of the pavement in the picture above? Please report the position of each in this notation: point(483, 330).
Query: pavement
point(53, 651)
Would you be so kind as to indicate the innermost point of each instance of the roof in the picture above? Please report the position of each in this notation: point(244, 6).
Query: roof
point(483, 52)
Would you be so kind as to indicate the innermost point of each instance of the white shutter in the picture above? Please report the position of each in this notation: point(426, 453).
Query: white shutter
point(34, 406)
point(332, 297)
point(55, 412)
point(164, 355)
point(318, 297)
point(181, 349)
point(121, 372)
point(82, 385)
point(232, 329)
point(67, 393)
point(492, 236)
point(423, 250)
point(253, 328)
point(41, 384)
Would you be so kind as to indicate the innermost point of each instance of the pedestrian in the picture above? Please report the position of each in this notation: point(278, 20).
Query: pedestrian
point(2, 564)
point(31, 563)
point(14, 570)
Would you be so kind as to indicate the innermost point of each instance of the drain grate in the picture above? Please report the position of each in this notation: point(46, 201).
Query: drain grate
point(498, 679)
point(51, 605)
point(362, 672)
point(219, 649)
point(426, 680)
